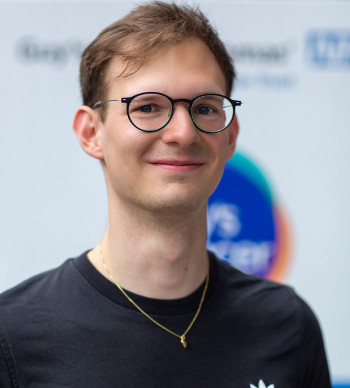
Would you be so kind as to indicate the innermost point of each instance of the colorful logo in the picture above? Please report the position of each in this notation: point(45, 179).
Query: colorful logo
point(246, 227)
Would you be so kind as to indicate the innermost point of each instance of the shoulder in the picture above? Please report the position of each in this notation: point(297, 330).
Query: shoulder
point(26, 314)
point(277, 317)
point(35, 292)
point(34, 305)
point(251, 288)
point(273, 305)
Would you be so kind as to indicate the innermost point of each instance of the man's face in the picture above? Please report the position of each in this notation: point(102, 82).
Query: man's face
point(178, 167)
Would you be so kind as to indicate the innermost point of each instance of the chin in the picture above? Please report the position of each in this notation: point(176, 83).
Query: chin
point(177, 204)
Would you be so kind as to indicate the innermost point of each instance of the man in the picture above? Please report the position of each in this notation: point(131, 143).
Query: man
point(149, 306)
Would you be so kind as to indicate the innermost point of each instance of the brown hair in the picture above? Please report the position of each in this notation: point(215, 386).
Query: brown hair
point(147, 29)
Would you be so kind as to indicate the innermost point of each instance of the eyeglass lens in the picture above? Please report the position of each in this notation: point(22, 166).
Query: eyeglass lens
point(151, 111)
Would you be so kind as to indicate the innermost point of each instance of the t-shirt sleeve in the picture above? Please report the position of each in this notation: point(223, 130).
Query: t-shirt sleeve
point(6, 379)
point(312, 355)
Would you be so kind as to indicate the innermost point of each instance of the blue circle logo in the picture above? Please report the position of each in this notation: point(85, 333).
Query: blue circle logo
point(246, 227)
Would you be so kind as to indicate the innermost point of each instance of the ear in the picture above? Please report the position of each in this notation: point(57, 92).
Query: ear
point(233, 131)
point(86, 127)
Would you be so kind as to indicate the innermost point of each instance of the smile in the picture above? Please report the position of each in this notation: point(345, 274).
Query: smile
point(178, 166)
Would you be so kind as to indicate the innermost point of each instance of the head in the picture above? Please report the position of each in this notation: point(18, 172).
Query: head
point(171, 50)
point(143, 33)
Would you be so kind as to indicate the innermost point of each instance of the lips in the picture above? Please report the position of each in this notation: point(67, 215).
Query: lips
point(177, 165)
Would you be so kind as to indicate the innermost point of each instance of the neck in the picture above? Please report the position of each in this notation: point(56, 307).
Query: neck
point(160, 257)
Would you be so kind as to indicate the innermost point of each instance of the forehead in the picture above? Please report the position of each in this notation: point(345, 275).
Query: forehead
point(187, 68)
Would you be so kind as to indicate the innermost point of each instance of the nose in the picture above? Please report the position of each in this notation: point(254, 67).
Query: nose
point(180, 129)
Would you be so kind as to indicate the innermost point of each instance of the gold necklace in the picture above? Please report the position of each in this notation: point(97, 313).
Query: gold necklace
point(181, 336)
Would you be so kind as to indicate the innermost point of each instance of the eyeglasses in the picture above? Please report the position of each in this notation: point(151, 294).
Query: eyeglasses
point(152, 111)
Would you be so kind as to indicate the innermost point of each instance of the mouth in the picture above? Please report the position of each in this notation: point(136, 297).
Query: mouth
point(178, 165)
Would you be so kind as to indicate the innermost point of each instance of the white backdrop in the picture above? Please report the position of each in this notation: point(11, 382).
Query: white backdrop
point(293, 62)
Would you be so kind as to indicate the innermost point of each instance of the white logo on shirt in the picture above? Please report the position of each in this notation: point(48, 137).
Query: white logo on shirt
point(262, 385)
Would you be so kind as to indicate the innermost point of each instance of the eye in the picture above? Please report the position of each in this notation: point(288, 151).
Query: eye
point(204, 110)
point(146, 108)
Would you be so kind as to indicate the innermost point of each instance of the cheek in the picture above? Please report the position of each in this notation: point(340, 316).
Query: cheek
point(228, 145)
point(124, 145)
point(222, 145)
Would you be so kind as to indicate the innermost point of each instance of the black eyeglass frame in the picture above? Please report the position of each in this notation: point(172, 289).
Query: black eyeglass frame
point(128, 100)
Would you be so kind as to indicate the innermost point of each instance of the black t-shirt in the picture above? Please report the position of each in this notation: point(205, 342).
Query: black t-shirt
point(71, 327)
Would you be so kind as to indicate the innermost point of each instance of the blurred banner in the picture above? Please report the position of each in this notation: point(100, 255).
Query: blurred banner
point(282, 210)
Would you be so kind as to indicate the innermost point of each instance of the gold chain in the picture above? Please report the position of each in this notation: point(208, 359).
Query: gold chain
point(183, 336)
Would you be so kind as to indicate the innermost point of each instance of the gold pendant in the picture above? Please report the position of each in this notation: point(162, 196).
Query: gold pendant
point(183, 341)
